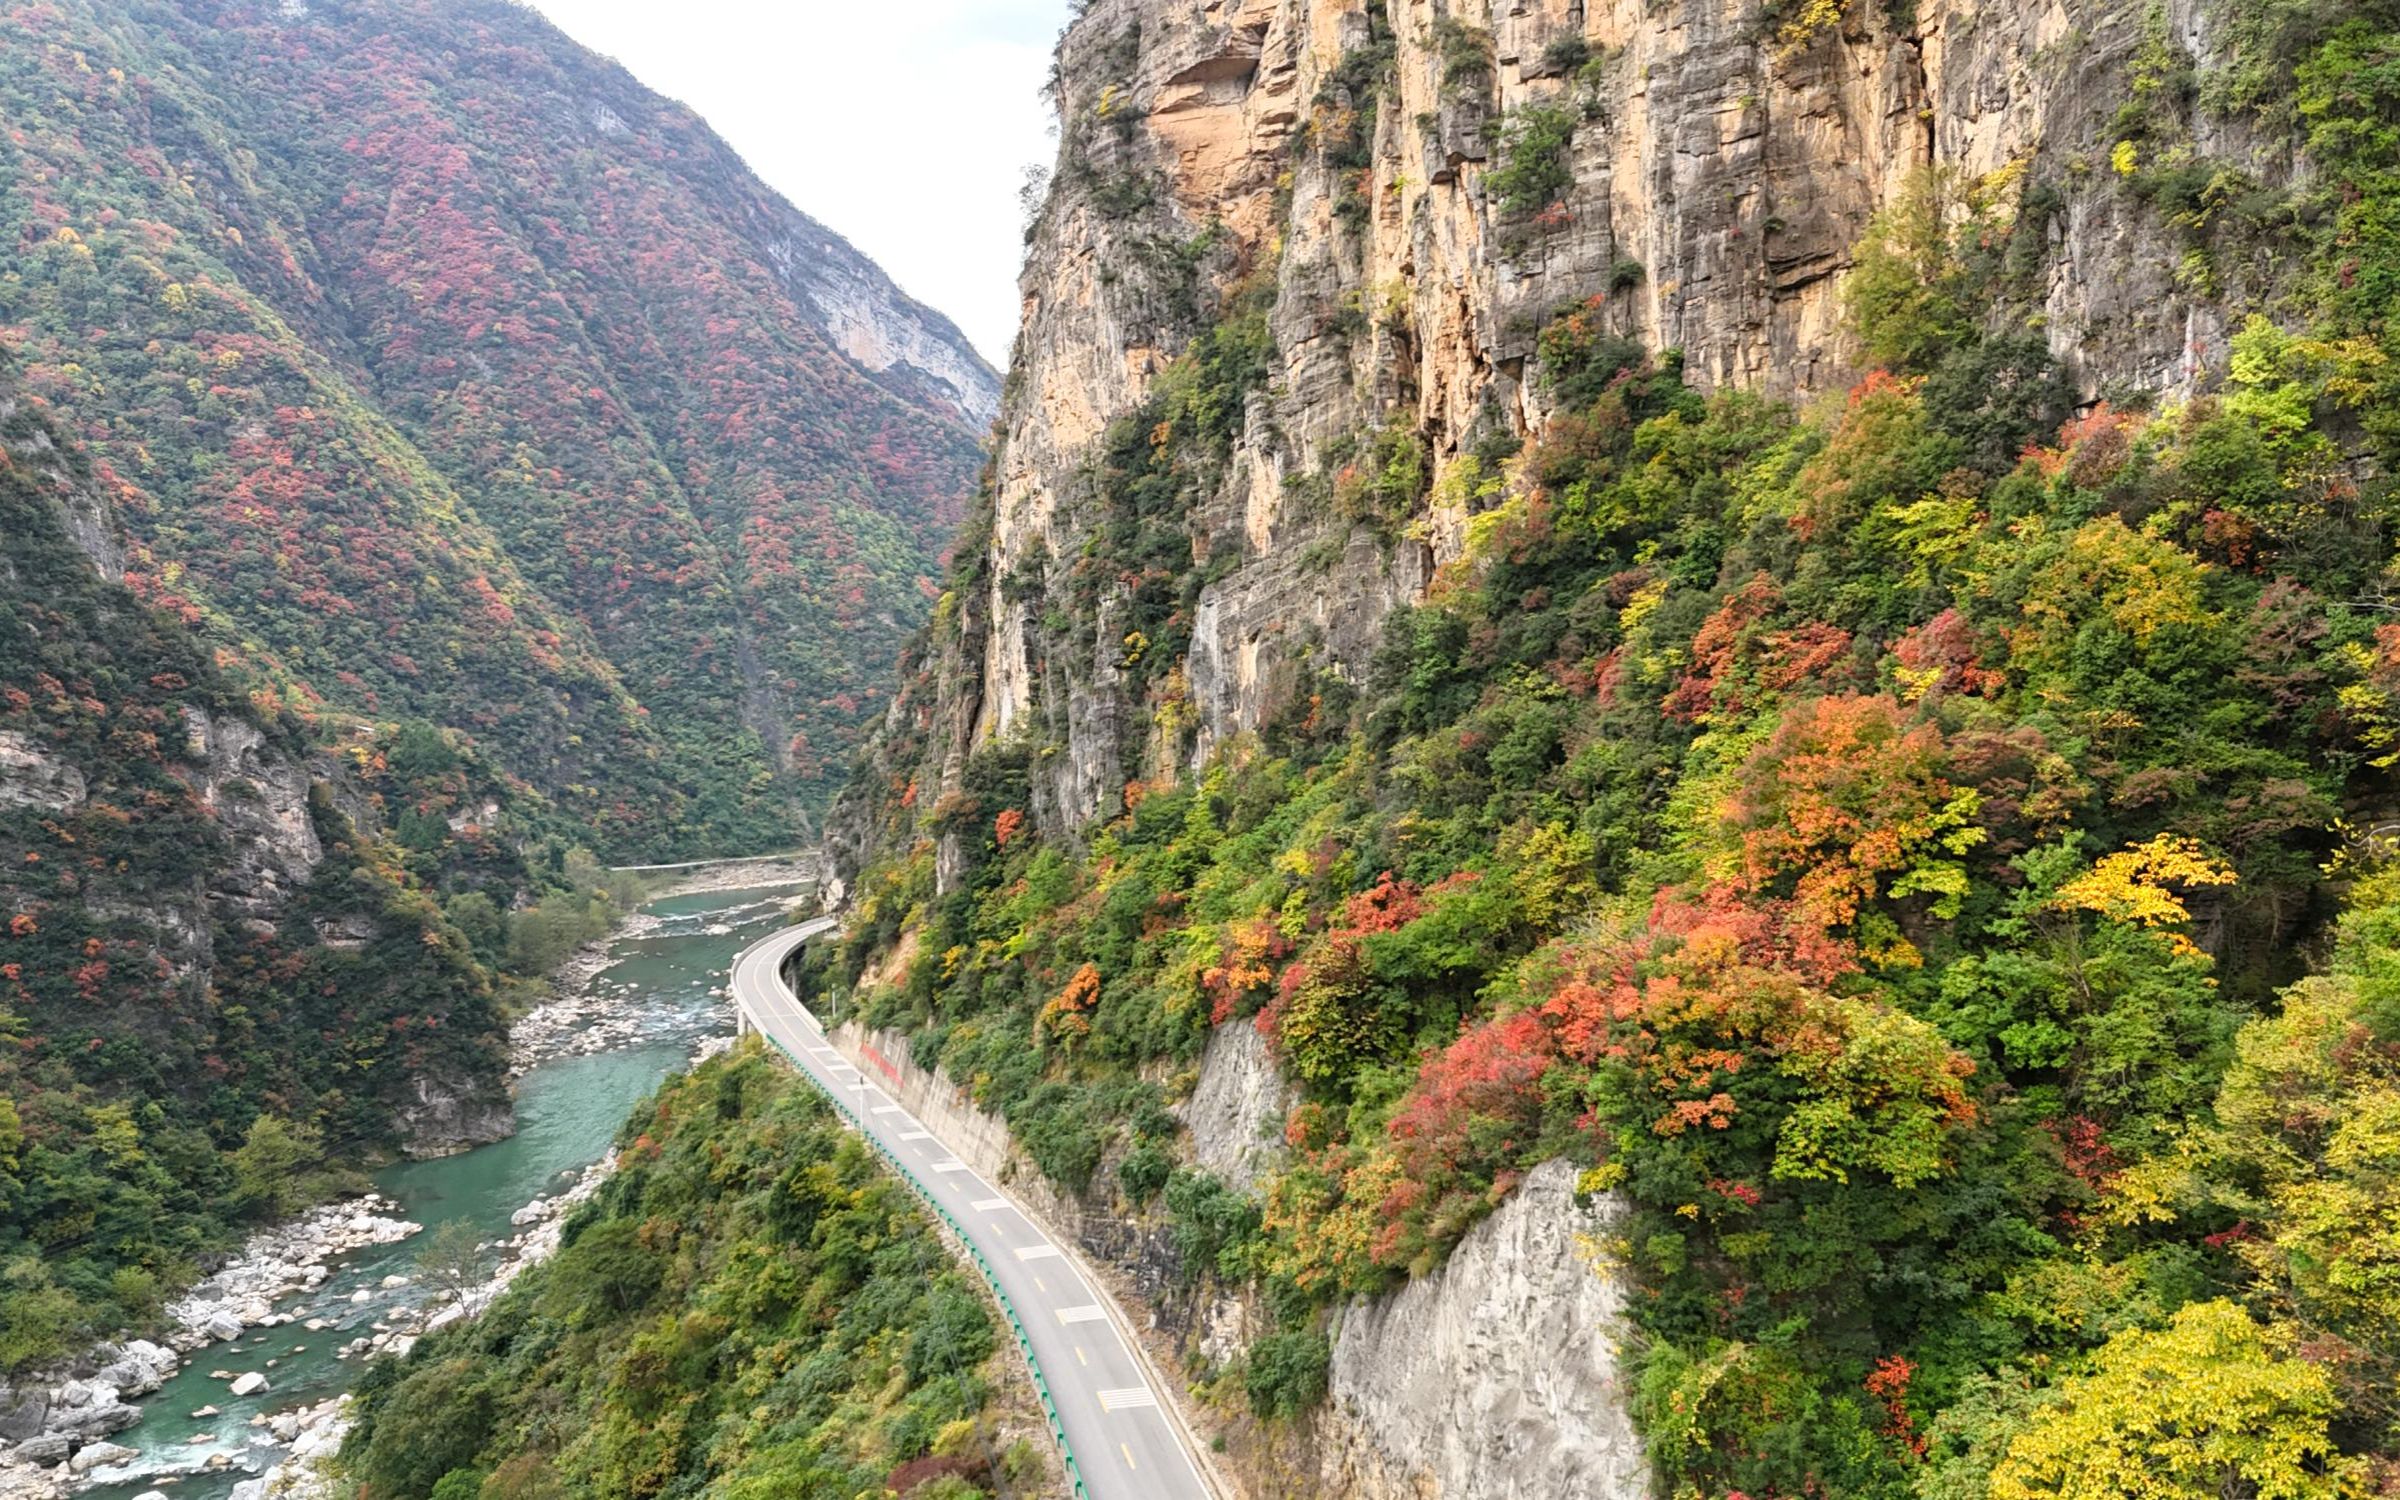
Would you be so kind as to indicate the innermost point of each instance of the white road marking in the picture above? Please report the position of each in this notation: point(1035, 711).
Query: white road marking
point(916, 1135)
point(757, 984)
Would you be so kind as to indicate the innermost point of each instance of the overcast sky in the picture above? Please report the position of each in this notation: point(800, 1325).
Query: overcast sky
point(906, 125)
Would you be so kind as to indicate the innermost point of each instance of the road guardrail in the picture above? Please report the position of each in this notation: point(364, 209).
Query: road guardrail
point(1016, 1324)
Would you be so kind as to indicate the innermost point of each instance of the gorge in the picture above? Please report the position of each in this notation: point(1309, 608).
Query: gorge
point(1657, 758)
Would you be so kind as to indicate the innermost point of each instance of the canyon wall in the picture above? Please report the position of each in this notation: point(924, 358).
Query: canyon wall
point(1330, 166)
point(171, 836)
point(1295, 248)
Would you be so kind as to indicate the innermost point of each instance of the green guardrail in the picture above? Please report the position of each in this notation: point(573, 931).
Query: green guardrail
point(1058, 1427)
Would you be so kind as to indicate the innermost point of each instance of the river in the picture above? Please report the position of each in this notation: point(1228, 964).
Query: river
point(568, 1111)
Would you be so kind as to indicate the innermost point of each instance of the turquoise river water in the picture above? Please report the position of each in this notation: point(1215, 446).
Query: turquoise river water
point(568, 1111)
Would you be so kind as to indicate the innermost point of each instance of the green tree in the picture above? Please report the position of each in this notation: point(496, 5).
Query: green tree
point(273, 1168)
point(452, 1258)
point(1908, 294)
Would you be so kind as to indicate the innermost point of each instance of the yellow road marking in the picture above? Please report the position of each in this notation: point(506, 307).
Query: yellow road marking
point(1037, 1285)
point(1127, 1450)
point(1079, 1357)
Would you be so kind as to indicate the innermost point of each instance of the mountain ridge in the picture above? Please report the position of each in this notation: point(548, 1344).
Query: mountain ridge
point(435, 276)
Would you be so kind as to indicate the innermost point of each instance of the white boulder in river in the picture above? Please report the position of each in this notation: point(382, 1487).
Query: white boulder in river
point(249, 1383)
point(100, 1455)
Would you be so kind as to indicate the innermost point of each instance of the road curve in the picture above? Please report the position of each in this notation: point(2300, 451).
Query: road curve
point(1122, 1442)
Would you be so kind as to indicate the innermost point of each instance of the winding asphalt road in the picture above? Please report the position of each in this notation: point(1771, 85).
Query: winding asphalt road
point(1118, 1429)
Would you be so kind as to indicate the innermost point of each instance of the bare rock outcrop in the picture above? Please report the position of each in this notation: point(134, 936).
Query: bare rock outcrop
point(1496, 1377)
point(1236, 1112)
point(259, 795)
point(32, 777)
point(446, 1113)
point(1334, 166)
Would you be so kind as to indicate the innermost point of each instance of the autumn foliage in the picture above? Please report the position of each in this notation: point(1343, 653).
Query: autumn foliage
point(442, 410)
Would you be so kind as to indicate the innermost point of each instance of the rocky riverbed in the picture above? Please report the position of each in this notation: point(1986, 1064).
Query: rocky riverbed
point(316, 1433)
point(271, 1313)
point(67, 1418)
point(57, 1424)
point(587, 1013)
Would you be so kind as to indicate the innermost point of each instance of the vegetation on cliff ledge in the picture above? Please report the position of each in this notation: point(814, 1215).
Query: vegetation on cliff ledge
point(1927, 854)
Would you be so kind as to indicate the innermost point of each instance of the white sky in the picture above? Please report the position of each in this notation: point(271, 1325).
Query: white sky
point(906, 125)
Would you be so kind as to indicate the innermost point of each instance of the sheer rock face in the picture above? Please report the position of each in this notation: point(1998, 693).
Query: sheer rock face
point(1718, 185)
point(31, 777)
point(87, 519)
point(875, 323)
point(1496, 1377)
point(260, 798)
point(450, 1113)
point(1237, 1110)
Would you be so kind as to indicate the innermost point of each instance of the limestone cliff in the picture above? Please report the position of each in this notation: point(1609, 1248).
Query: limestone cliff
point(1495, 1378)
point(1351, 172)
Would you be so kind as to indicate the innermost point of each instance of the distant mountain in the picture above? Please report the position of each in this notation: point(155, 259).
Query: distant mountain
point(440, 370)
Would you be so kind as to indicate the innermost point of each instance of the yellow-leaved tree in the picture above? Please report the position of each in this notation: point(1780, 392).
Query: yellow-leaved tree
point(2202, 1409)
point(2136, 885)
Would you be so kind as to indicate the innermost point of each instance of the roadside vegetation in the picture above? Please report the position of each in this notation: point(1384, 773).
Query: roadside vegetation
point(752, 1307)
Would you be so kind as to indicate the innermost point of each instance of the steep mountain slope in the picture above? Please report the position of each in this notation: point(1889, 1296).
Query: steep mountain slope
point(1780, 605)
point(451, 374)
point(218, 974)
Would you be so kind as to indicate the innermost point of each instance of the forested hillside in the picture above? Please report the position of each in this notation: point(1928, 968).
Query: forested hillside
point(444, 372)
point(752, 1306)
point(1919, 841)
point(238, 955)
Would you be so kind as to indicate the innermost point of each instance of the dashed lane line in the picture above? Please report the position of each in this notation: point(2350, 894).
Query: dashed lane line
point(798, 1026)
